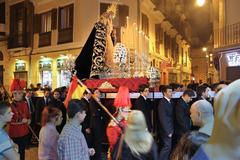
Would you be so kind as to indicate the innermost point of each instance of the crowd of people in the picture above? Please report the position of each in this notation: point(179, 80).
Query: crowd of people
point(193, 126)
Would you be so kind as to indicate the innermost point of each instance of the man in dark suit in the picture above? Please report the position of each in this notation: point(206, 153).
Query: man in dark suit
point(202, 92)
point(41, 103)
point(31, 107)
point(182, 115)
point(96, 124)
point(165, 112)
point(143, 104)
point(86, 123)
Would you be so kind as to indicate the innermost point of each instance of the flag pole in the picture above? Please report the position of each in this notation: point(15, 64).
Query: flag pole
point(101, 105)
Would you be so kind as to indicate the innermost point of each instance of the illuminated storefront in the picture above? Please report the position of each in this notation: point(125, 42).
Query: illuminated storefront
point(229, 63)
point(20, 70)
point(45, 68)
point(64, 76)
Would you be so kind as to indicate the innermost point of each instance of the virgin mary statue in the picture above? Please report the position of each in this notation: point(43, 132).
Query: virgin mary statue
point(96, 56)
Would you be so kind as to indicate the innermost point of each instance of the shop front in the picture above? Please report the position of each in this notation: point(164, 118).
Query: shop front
point(20, 70)
point(45, 69)
point(64, 75)
point(229, 62)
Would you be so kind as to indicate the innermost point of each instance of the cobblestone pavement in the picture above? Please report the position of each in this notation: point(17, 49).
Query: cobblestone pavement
point(31, 153)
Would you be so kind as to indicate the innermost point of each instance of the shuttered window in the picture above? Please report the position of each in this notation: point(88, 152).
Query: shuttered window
point(159, 36)
point(46, 24)
point(145, 24)
point(66, 17)
point(2, 12)
point(65, 24)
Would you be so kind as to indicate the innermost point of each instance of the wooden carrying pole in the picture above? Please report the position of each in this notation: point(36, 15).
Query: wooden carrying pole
point(102, 106)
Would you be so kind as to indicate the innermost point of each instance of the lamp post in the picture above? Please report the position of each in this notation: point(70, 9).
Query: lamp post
point(205, 50)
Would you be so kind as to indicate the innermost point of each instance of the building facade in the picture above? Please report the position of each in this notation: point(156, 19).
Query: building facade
point(37, 36)
point(227, 38)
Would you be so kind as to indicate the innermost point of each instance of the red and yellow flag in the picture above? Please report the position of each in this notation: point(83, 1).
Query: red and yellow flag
point(75, 91)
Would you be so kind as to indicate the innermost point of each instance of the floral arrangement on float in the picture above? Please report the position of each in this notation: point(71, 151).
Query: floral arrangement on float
point(154, 76)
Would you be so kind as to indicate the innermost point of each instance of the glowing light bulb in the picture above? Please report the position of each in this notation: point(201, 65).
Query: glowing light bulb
point(200, 3)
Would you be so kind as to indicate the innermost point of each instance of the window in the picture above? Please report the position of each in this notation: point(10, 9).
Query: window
point(65, 24)
point(64, 78)
point(1, 56)
point(46, 77)
point(2, 12)
point(159, 37)
point(20, 14)
point(20, 31)
point(66, 17)
point(46, 22)
point(145, 24)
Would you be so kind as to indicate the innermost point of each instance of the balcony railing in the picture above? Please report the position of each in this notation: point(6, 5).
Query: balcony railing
point(2, 28)
point(226, 36)
point(45, 39)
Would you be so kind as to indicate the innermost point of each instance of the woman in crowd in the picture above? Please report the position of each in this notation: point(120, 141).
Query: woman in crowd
point(7, 149)
point(137, 143)
point(48, 136)
point(57, 103)
point(123, 104)
point(188, 145)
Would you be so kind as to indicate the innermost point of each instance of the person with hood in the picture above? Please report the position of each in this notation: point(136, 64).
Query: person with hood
point(19, 126)
point(123, 104)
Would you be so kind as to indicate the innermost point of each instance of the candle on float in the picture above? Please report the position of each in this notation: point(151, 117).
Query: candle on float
point(127, 32)
point(128, 54)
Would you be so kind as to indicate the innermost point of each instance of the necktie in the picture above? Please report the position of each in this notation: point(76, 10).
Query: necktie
point(30, 105)
point(46, 101)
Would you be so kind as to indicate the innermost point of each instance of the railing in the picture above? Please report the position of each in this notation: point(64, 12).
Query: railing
point(227, 36)
point(45, 39)
point(2, 28)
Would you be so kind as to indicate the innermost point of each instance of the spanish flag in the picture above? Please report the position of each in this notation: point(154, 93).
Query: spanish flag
point(75, 90)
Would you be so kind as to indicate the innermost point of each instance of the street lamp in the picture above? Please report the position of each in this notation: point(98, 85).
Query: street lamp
point(200, 3)
point(204, 49)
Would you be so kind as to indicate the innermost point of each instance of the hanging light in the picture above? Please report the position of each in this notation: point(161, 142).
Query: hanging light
point(200, 3)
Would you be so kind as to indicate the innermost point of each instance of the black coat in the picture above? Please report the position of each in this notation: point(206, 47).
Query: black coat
point(128, 155)
point(39, 108)
point(182, 115)
point(145, 106)
point(97, 127)
point(165, 114)
point(86, 122)
point(96, 114)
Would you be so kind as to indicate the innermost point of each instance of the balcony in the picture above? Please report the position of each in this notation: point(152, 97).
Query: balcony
point(65, 35)
point(227, 36)
point(2, 28)
point(16, 40)
point(45, 39)
point(2, 31)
